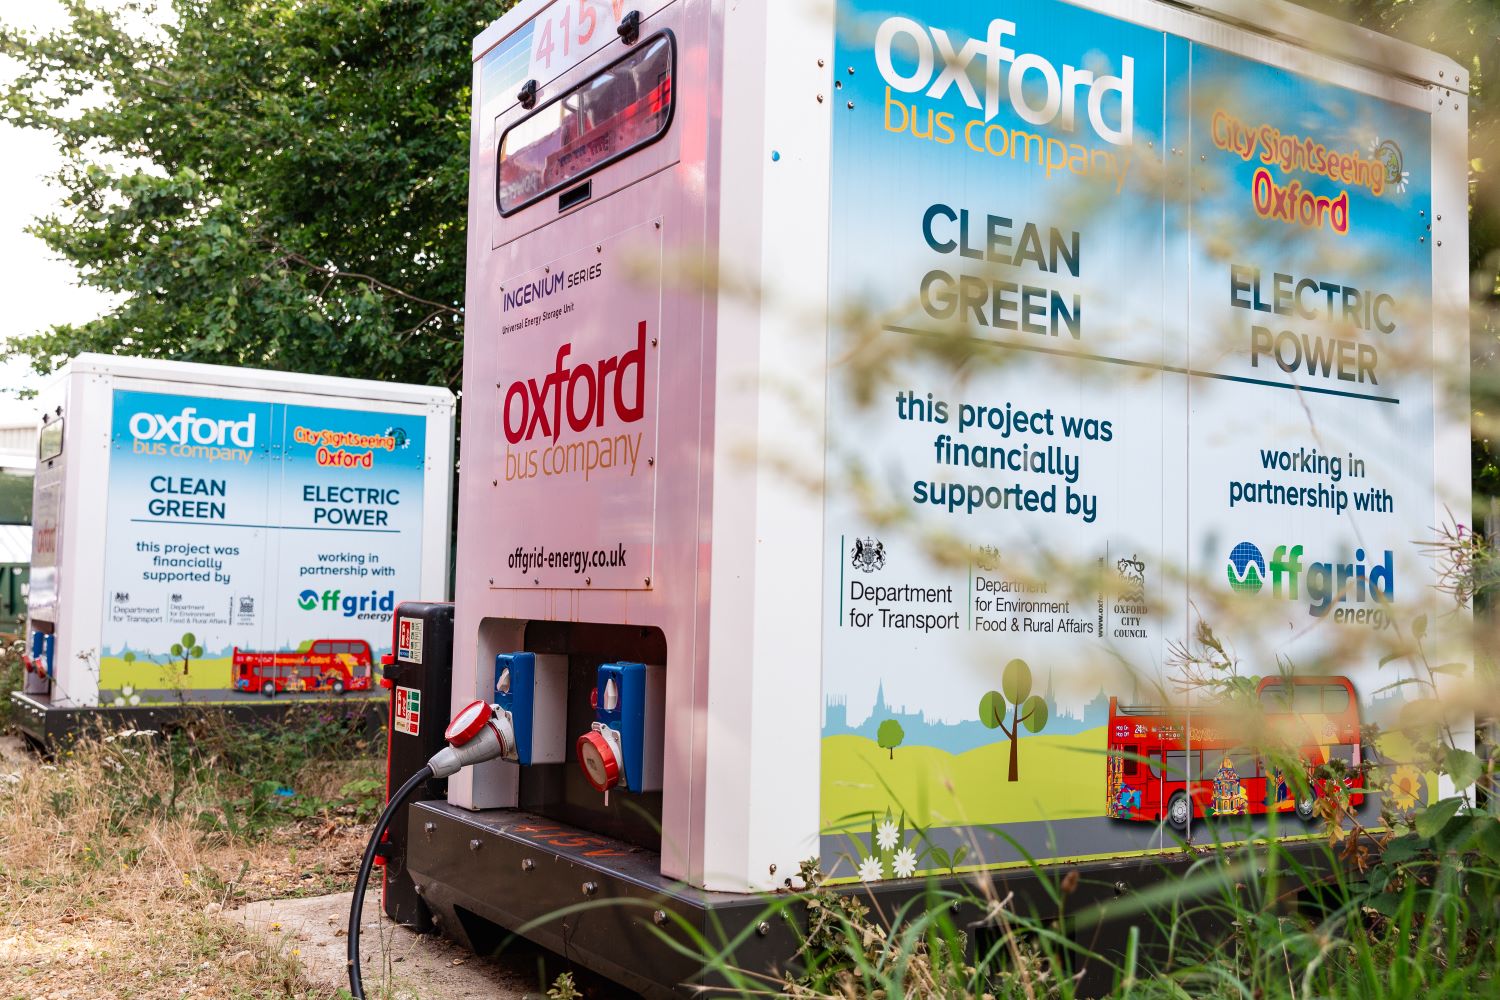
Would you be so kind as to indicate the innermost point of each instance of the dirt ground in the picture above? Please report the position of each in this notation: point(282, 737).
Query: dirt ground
point(405, 965)
point(158, 911)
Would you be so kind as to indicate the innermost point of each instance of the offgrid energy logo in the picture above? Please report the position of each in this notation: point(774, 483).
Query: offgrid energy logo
point(1341, 591)
point(374, 606)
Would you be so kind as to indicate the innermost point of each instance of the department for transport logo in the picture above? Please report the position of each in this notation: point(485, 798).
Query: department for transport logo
point(1246, 569)
point(869, 555)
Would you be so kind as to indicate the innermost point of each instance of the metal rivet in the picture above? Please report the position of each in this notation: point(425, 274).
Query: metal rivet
point(650, 461)
point(820, 98)
point(547, 269)
point(475, 844)
point(653, 341)
point(1421, 239)
point(659, 918)
point(589, 888)
point(492, 581)
point(535, 581)
point(762, 928)
point(1440, 218)
point(658, 223)
point(1439, 242)
point(773, 869)
point(421, 891)
point(494, 482)
point(851, 105)
point(527, 864)
point(820, 62)
point(429, 828)
point(838, 85)
point(1119, 888)
point(588, 581)
point(648, 581)
point(851, 70)
point(598, 247)
point(955, 906)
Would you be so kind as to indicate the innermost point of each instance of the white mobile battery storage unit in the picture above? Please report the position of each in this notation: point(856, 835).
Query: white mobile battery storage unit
point(864, 400)
point(207, 534)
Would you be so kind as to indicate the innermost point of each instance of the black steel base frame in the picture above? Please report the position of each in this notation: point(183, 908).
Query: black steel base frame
point(47, 725)
point(603, 904)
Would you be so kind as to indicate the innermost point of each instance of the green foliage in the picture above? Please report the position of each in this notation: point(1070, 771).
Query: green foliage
point(1026, 710)
point(563, 988)
point(236, 782)
point(1034, 714)
point(11, 674)
point(1015, 682)
point(278, 184)
point(188, 649)
point(992, 709)
point(889, 736)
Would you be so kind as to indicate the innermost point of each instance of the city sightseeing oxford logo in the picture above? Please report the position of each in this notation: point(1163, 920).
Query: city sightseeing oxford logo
point(1388, 153)
point(1246, 569)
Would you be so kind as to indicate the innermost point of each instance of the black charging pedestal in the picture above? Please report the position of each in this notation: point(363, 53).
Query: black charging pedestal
point(419, 673)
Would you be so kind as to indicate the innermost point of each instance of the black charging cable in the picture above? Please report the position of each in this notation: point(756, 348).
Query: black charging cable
point(357, 904)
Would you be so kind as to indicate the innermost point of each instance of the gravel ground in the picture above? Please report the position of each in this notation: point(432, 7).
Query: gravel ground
point(410, 966)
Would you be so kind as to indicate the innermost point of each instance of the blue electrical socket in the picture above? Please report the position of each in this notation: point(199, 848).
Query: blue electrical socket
point(522, 678)
point(637, 715)
point(535, 697)
point(42, 646)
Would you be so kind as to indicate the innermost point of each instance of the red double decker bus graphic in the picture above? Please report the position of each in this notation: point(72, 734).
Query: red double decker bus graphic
point(1167, 763)
point(333, 665)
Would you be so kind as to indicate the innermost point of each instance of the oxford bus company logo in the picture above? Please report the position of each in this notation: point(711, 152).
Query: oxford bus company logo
point(187, 428)
point(869, 555)
point(1247, 569)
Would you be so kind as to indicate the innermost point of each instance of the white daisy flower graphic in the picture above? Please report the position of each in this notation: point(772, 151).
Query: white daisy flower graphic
point(887, 836)
point(869, 870)
point(119, 702)
point(904, 864)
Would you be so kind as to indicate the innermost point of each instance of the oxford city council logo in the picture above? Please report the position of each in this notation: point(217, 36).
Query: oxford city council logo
point(1246, 569)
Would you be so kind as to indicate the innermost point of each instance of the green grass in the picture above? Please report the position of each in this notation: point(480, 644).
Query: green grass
point(1060, 777)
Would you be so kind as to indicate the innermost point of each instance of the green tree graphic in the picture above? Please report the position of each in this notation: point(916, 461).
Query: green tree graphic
point(188, 649)
point(889, 736)
point(1017, 701)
